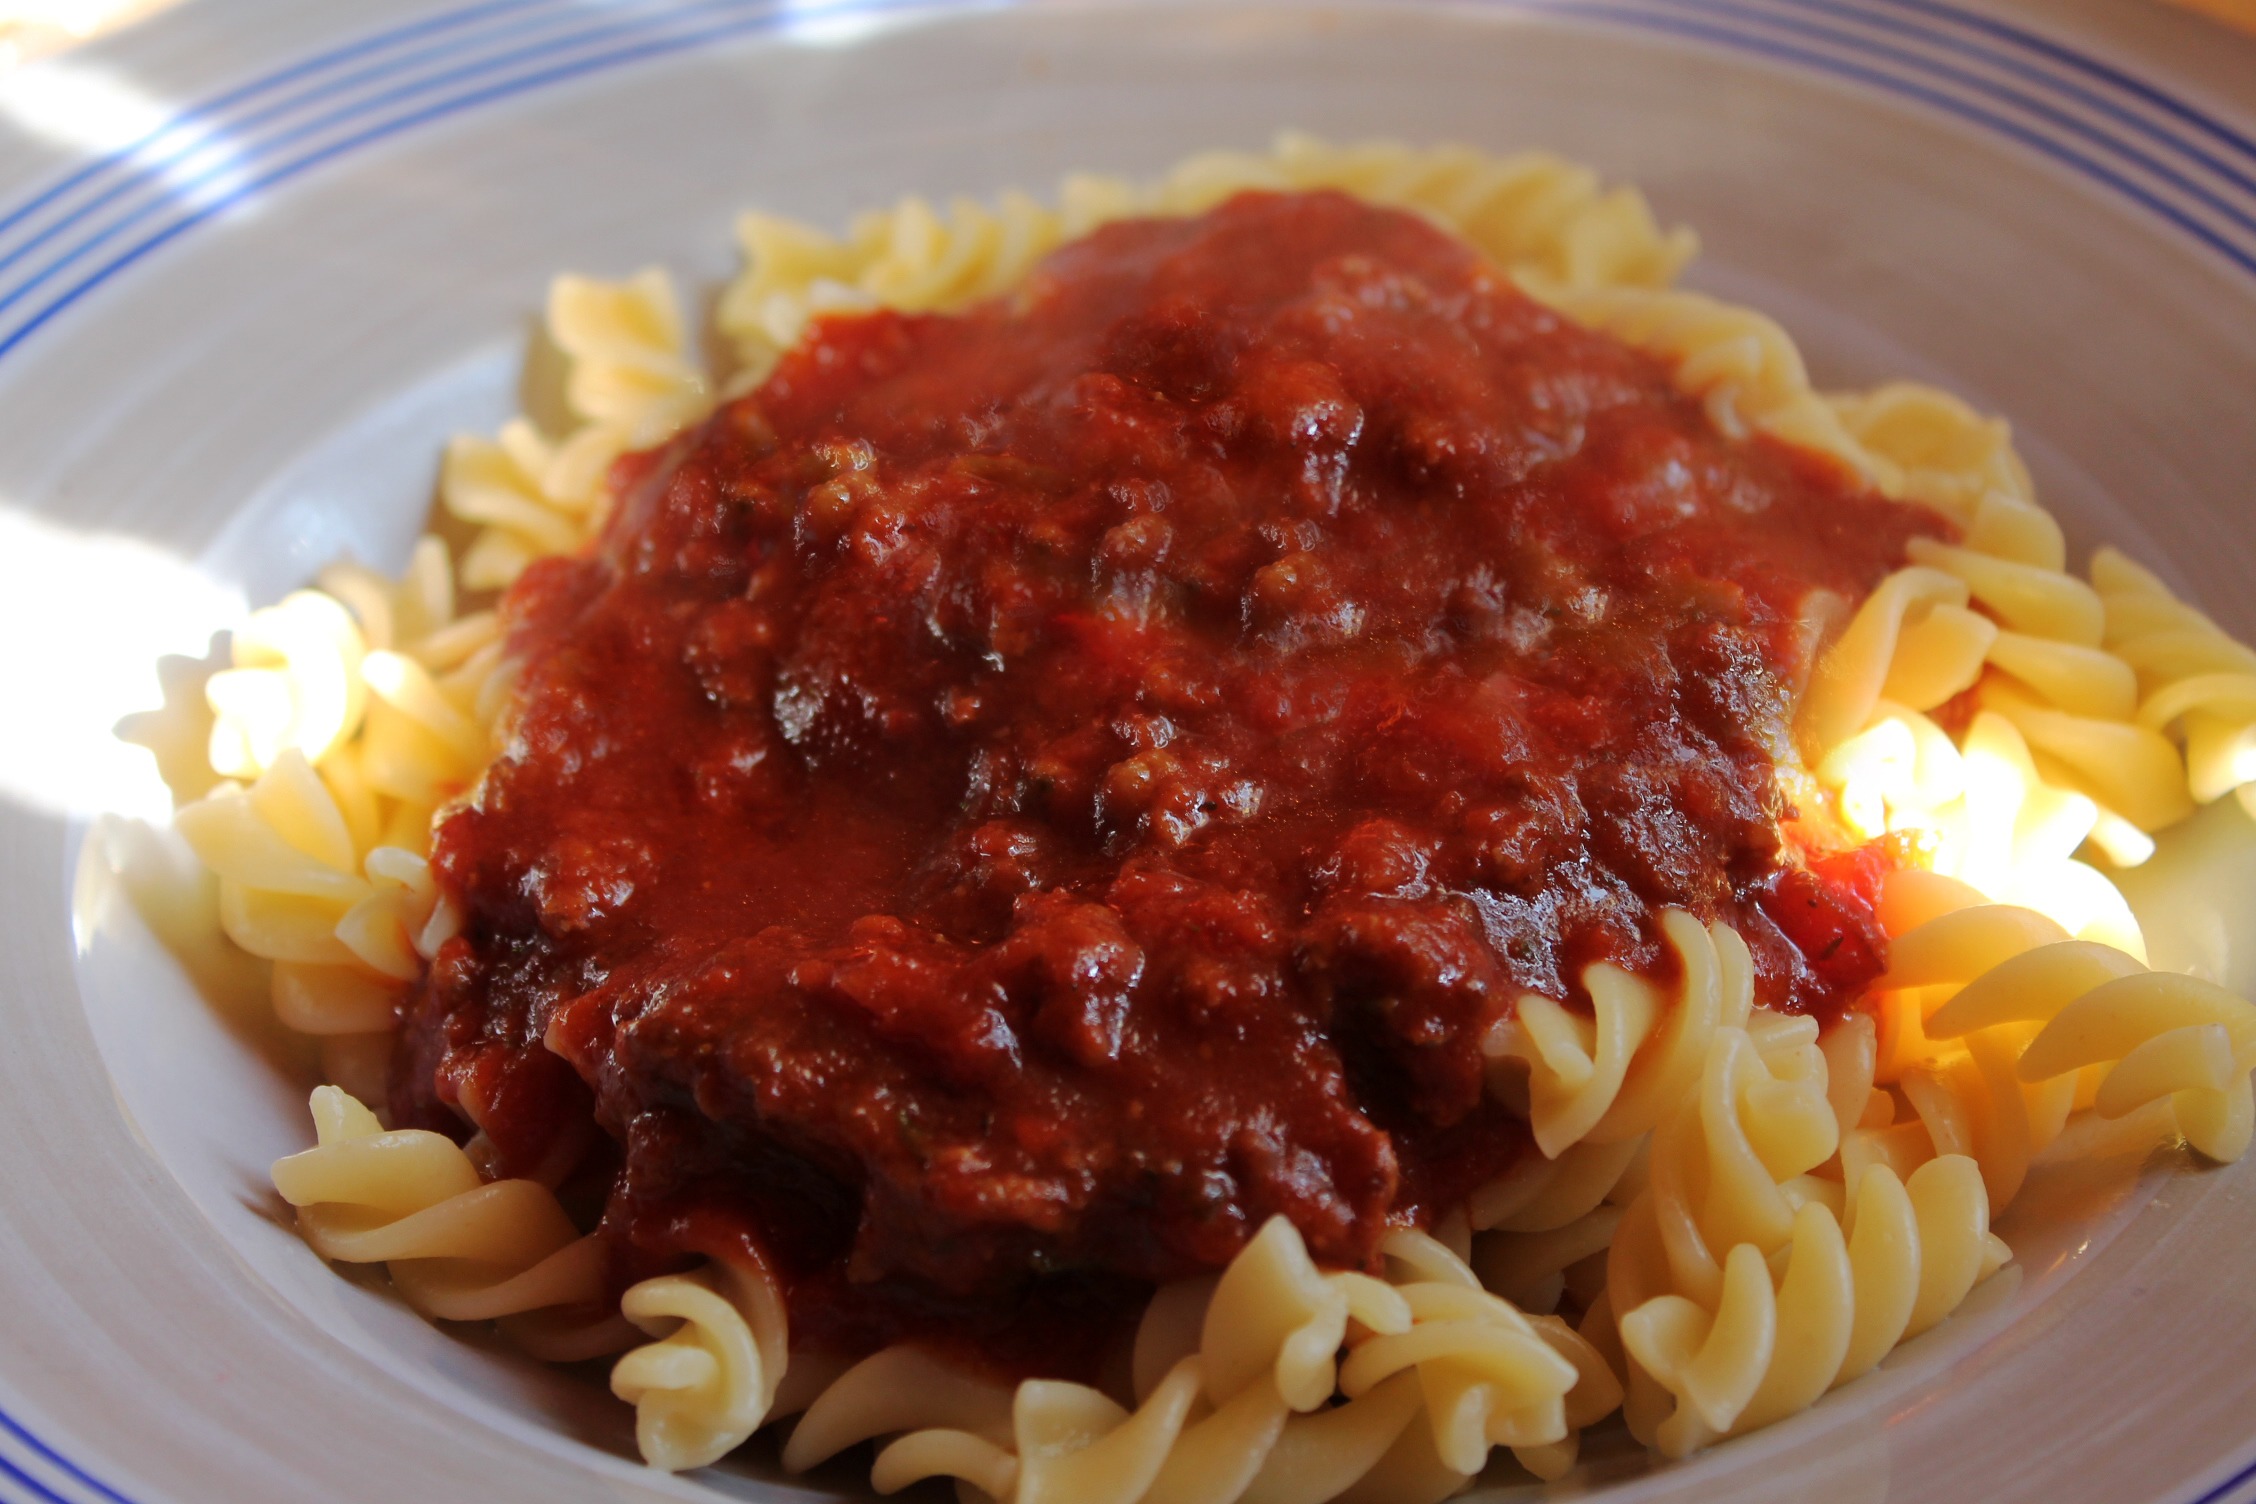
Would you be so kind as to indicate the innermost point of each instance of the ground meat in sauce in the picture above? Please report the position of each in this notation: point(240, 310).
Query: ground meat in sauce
point(1036, 792)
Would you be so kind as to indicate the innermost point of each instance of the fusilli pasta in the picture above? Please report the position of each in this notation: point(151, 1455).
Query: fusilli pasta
point(2191, 677)
point(1233, 1380)
point(2024, 1025)
point(710, 1379)
point(458, 1248)
point(1762, 1265)
point(1611, 1076)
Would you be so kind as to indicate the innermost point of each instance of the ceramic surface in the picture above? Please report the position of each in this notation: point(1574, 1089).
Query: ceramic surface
point(258, 259)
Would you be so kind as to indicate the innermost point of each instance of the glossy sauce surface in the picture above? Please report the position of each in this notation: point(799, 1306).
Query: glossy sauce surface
point(1027, 795)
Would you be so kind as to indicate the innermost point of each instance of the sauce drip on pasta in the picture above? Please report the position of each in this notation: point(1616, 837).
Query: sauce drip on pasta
point(1027, 795)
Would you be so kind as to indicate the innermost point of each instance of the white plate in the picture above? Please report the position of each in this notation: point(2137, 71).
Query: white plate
point(233, 352)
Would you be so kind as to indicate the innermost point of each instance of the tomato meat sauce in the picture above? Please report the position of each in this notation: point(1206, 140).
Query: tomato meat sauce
point(1029, 794)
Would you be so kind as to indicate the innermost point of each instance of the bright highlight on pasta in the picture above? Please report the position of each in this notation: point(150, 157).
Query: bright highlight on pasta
point(1738, 1210)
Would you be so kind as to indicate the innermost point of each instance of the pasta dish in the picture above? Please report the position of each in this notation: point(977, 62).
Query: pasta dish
point(1273, 837)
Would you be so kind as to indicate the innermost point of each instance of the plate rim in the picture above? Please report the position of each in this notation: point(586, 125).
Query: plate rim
point(1779, 32)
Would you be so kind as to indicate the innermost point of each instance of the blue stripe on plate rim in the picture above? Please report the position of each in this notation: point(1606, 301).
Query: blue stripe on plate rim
point(21, 1453)
point(2012, 83)
point(2094, 119)
point(154, 159)
point(2099, 120)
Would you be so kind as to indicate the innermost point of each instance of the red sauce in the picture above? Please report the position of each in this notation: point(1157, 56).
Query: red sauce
point(1027, 795)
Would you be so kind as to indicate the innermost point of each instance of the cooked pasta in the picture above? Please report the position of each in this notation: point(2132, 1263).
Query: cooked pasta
point(1233, 1380)
point(342, 927)
point(631, 381)
point(1741, 365)
point(2193, 679)
point(1610, 1077)
point(1943, 453)
point(710, 1379)
point(457, 1247)
point(1728, 1212)
point(1534, 213)
point(1894, 1260)
point(1873, 657)
point(1751, 1279)
point(2031, 1025)
point(295, 685)
point(1541, 1194)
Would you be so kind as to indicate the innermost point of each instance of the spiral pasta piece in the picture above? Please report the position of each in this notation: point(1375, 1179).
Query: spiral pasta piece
point(2033, 1025)
point(343, 930)
point(632, 368)
point(1894, 1260)
point(285, 859)
point(2193, 679)
point(2050, 764)
point(1763, 1264)
point(1611, 1076)
point(1856, 671)
point(428, 736)
point(2042, 602)
point(2126, 707)
point(1534, 213)
point(415, 613)
point(1541, 1194)
point(434, 679)
point(1989, 815)
point(709, 1380)
point(1234, 1379)
point(1544, 1227)
point(1954, 459)
point(631, 380)
point(1726, 1168)
point(1743, 367)
point(294, 685)
point(1531, 1269)
point(898, 1389)
point(300, 680)
point(458, 1248)
point(529, 497)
